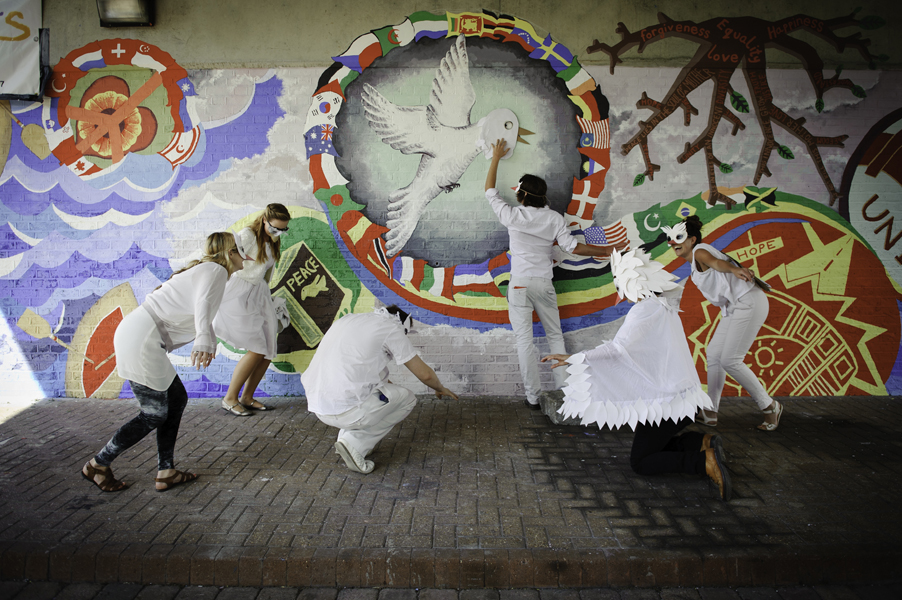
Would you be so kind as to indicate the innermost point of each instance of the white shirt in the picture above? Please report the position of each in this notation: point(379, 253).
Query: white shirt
point(170, 317)
point(253, 271)
point(532, 234)
point(720, 289)
point(352, 361)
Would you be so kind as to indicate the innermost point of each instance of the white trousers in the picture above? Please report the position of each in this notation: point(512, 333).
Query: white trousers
point(731, 342)
point(525, 295)
point(364, 426)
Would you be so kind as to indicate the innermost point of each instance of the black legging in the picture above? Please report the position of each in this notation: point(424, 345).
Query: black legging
point(658, 449)
point(160, 410)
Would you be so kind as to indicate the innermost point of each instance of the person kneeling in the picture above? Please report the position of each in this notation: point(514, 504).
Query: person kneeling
point(645, 378)
point(347, 382)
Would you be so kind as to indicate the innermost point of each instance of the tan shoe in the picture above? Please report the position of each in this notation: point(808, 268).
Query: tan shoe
point(712, 440)
point(718, 473)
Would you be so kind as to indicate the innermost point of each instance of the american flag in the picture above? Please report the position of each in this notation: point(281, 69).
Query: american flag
point(596, 134)
point(600, 236)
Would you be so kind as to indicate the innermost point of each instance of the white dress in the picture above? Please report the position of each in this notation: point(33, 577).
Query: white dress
point(170, 317)
point(246, 318)
point(644, 375)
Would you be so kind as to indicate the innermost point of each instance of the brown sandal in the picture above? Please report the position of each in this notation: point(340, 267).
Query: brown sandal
point(108, 483)
point(177, 478)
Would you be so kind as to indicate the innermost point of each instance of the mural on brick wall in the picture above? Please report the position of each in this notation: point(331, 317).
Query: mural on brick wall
point(114, 180)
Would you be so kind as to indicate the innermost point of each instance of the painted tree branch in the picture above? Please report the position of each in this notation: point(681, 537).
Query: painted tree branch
point(724, 46)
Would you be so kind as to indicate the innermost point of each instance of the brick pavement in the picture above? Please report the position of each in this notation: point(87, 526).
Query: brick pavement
point(26, 590)
point(471, 494)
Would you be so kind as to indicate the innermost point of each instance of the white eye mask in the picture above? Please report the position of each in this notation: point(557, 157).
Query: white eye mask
point(273, 231)
point(676, 234)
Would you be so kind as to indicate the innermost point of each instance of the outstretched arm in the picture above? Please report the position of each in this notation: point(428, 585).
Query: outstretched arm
point(424, 373)
point(499, 149)
point(560, 358)
point(599, 251)
point(709, 260)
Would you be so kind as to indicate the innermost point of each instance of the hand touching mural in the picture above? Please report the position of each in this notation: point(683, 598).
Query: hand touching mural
point(724, 46)
point(442, 133)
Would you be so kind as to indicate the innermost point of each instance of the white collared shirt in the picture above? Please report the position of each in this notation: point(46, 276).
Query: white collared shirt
point(352, 361)
point(533, 232)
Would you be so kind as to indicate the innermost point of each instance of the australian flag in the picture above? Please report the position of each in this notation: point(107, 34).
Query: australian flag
point(318, 140)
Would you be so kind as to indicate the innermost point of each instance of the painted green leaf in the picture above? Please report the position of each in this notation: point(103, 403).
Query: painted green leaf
point(819, 105)
point(639, 180)
point(785, 152)
point(740, 104)
point(882, 57)
point(872, 22)
point(838, 71)
point(859, 92)
point(725, 168)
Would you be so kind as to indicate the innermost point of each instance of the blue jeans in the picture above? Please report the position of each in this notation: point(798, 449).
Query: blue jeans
point(160, 410)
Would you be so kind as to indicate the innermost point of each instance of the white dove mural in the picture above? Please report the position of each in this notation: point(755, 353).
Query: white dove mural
point(442, 133)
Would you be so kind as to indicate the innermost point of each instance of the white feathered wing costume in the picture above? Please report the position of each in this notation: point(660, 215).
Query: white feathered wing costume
point(646, 373)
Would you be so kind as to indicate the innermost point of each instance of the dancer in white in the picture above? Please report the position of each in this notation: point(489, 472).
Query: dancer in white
point(347, 382)
point(247, 318)
point(645, 378)
point(743, 306)
point(533, 229)
point(172, 315)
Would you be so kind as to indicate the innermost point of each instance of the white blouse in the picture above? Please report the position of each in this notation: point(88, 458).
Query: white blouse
point(720, 289)
point(181, 310)
point(253, 272)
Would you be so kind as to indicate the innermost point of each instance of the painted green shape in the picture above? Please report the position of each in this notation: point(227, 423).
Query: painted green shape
point(838, 71)
point(571, 71)
point(740, 104)
point(725, 168)
point(384, 41)
point(859, 92)
point(871, 22)
point(819, 105)
point(326, 196)
point(283, 367)
point(347, 79)
point(300, 320)
point(882, 57)
point(423, 15)
point(785, 152)
point(639, 180)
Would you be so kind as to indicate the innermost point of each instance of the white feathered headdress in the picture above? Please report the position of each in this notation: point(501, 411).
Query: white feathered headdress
point(637, 276)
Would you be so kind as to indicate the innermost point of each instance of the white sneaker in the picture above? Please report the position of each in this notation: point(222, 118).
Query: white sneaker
point(353, 458)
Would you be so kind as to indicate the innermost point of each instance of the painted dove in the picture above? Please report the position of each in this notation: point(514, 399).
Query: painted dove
point(442, 133)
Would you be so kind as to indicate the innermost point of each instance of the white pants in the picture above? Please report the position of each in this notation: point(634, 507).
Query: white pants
point(731, 342)
point(364, 426)
point(525, 294)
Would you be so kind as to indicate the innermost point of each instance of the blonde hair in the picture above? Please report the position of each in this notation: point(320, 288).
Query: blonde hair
point(272, 212)
point(216, 250)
